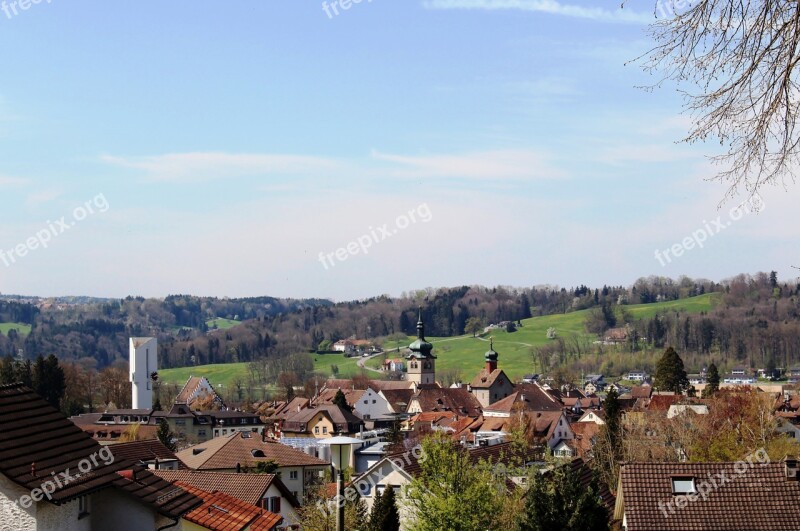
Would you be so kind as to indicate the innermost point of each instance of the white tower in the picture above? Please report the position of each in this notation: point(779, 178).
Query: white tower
point(143, 363)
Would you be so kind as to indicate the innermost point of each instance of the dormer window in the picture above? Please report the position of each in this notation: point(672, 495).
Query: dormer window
point(682, 485)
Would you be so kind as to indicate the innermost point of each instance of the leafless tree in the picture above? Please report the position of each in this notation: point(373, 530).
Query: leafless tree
point(740, 57)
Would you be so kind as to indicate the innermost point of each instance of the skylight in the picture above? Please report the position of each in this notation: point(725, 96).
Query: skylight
point(683, 485)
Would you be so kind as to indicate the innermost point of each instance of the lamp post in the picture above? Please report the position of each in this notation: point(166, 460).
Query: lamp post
point(340, 457)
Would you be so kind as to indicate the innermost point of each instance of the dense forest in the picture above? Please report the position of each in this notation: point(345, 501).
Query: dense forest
point(755, 322)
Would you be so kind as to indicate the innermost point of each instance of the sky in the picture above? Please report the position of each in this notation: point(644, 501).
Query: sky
point(296, 148)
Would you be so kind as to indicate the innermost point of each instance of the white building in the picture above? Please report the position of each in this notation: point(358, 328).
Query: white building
point(143, 365)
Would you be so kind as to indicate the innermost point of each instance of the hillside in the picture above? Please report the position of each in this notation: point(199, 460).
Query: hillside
point(463, 355)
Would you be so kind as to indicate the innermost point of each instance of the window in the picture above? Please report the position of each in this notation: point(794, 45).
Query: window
point(366, 401)
point(324, 429)
point(201, 433)
point(293, 474)
point(83, 507)
point(316, 430)
point(683, 485)
point(275, 505)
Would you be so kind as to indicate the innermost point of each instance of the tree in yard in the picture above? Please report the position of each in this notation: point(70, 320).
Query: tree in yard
point(384, 515)
point(318, 512)
point(712, 381)
point(165, 435)
point(473, 326)
point(608, 449)
point(340, 400)
point(741, 60)
point(558, 500)
point(48, 380)
point(670, 374)
point(452, 492)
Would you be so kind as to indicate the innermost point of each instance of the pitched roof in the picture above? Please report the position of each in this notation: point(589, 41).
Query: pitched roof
point(339, 416)
point(641, 391)
point(223, 512)
point(326, 396)
point(530, 397)
point(457, 400)
point(143, 451)
point(224, 453)
point(761, 498)
point(37, 442)
point(398, 398)
point(246, 487)
point(193, 387)
point(485, 379)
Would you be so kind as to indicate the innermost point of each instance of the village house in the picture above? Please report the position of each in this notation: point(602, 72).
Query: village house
point(238, 451)
point(321, 422)
point(263, 490)
point(223, 512)
point(754, 494)
point(39, 444)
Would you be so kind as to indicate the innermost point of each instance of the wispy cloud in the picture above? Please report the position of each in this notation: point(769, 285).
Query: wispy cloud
point(488, 165)
point(198, 167)
point(7, 181)
point(551, 7)
point(44, 196)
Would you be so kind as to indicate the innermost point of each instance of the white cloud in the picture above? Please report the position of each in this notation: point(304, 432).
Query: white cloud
point(7, 181)
point(620, 15)
point(486, 165)
point(199, 166)
point(44, 196)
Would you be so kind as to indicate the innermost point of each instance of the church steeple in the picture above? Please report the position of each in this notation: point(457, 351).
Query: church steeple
point(491, 357)
point(421, 361)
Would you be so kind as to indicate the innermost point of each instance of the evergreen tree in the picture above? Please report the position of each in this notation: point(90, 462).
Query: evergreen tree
point(7, 370)
point(612, 413)
point(48, 380)
point(712, 381)
point(558, 500)
point(164, 435)
point(384, 515)
point(670, 374)
point(341, 401)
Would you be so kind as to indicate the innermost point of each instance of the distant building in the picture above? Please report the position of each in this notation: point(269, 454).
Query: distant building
point(491, 384)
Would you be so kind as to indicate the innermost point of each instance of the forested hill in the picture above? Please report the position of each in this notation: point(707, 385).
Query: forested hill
point(201, 330)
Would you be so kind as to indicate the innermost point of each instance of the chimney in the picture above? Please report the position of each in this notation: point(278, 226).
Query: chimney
point(491, 366)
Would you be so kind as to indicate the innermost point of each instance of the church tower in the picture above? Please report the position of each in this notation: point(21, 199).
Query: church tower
point(421, 362)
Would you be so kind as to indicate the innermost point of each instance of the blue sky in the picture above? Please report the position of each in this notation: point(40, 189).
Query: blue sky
point(233, 143)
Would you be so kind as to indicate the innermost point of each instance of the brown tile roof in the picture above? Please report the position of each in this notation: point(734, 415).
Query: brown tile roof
point(246, 487)
point(761, 498)
point(398, 398)
point(224, 453)
point(222, 512)
point(662, 402)
point(485, 379)
point(143, 451)
point(529, 397)
point(584, 433)
point(294, 405)
point(326, 396)
point(343, 420)
point(38, 442)
point(457, 400)
point(641, 391)
point(186, 394)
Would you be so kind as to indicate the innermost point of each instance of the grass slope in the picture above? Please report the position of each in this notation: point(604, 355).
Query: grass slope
point(222, 324)
point(463, 353)
point(22, 329)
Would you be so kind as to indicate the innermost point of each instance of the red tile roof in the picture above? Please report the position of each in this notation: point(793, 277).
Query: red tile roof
point(247, 487)
point(222, 512)
point(143, 451)
point(224, 453)
point(761, 498)
point(528, 397)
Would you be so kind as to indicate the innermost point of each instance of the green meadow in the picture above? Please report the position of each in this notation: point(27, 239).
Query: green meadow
point(464, 353)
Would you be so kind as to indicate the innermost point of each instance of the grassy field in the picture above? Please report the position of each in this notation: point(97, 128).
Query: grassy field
point(21, 329)
point(463, 353)
point(222, 324)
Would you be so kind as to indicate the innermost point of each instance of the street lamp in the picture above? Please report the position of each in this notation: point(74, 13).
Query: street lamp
point(340, 457)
